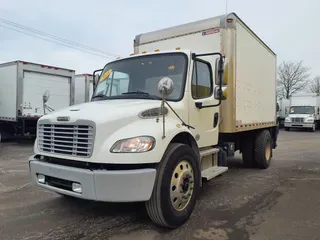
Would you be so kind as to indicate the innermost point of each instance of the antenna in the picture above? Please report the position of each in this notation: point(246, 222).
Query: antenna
point(226, 6)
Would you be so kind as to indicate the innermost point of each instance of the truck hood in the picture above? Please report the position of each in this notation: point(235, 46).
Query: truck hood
point(104, 111)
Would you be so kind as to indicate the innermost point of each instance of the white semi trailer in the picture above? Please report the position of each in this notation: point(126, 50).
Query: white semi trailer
point(29, 91)
point(304, 112)
point(188, 97)
point(83, 88)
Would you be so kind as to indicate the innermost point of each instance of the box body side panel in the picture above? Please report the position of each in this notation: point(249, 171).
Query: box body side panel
point(8, 92)
point(255, 82)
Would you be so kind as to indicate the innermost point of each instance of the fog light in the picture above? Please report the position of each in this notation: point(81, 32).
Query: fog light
point(76, 187)
point(41, 178)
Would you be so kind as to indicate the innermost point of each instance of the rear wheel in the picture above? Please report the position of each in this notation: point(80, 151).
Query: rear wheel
point(263, 149)
point(176, 187)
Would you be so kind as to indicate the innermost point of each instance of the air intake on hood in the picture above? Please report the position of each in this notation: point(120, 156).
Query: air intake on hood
point(153, 112)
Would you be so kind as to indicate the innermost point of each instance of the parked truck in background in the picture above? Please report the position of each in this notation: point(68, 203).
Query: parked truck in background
point(163, 120)
point(83, 88)
point(304, 112)
point(29, 91)
point(284, 105)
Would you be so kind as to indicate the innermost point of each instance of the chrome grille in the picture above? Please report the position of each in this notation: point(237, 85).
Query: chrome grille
point(297, 120)
point(74, 140)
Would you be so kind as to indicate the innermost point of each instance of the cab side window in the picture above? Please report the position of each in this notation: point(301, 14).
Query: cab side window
point(202, 84)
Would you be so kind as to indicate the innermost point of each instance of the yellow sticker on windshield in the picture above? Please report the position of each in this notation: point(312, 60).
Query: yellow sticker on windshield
point(172, 67)
point(105, 75)
point(292, 110)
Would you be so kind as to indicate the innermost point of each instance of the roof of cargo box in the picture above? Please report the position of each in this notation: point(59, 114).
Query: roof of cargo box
point(192, 27)
point(41, 65)
point(84, 74)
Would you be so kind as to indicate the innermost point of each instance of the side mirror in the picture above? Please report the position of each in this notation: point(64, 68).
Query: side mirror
point(165, 87)
point(95, 80)
point(219, 71)
point(96, 77)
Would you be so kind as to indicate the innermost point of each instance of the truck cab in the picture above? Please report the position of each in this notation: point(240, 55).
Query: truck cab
point(302, 117)
point(304, 112)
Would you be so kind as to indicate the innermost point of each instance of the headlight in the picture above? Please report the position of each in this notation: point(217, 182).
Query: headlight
point(310, 119)
point(287, 119)
point(136, 144)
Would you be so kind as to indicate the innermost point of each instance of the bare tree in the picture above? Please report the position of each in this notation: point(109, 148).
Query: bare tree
point(292, 78)
point(315, 85)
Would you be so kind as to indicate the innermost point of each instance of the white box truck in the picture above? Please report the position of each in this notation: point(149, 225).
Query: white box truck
point(188, 97)
point(83, 88)
point(304, 112)
point(284, 105)
point(28, 91)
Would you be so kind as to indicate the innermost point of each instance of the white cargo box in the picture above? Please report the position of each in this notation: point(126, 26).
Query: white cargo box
point(83, 88)
point(305, 99)
point(24, 84)
point(250, 66)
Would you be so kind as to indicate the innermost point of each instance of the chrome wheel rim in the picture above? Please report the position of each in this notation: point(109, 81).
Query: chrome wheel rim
point(182, 185)
point(268, 150)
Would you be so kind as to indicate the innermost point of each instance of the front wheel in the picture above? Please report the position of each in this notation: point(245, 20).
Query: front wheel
point(176, 187)
point(287, 129)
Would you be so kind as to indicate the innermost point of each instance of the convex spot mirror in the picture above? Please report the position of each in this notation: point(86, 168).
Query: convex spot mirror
point(165, 86)
point(46, 96)
point(220, 93)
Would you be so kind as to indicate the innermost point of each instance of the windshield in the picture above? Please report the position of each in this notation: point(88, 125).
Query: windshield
point(302, 110)
point(141, 75)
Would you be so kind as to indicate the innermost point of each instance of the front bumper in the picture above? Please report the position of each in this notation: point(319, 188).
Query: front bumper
point(98, 185)
point(299, 125)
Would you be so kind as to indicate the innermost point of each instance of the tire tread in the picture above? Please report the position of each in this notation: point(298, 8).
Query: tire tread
point(259, 149)
point(153, 206)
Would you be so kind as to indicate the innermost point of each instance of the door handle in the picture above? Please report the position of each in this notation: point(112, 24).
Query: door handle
point(215, 120)
point(198, 105)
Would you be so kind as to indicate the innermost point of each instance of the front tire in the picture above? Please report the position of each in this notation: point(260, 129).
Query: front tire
point(287, 129)
point(176, 187)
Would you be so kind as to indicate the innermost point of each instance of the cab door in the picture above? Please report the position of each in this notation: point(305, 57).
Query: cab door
point(205, 120)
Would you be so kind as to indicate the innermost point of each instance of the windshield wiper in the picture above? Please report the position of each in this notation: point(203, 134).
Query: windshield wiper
point(100, 96)
point(138, 92)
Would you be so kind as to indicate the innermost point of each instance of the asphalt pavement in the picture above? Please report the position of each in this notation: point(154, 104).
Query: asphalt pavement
point(282, 202)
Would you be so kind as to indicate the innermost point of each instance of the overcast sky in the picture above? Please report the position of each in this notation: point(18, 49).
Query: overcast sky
point(289, 27)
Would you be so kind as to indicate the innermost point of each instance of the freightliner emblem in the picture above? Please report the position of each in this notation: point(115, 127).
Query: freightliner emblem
point(63, 118)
